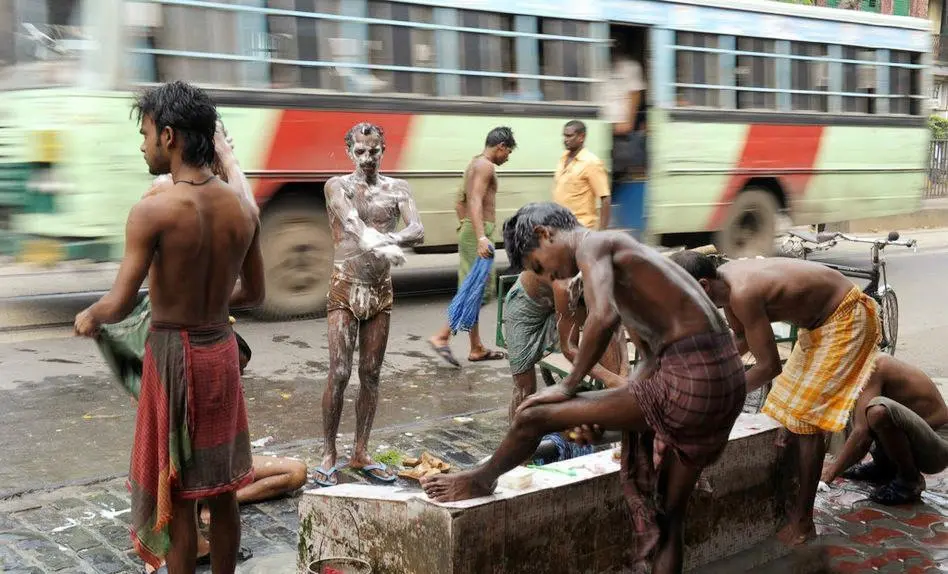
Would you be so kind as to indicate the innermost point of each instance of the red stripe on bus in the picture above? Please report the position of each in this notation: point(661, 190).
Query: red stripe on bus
point(773, 147)
point(309, 140)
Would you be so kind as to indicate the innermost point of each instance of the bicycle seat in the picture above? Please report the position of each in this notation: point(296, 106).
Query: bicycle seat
point(813, 237)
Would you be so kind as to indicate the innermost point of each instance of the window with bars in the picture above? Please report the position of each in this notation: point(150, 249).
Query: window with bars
point(566, 59)
point(401, 46)
point(905, 84)
point(485, 53)
point(756, 71)
point(698, 68)
point(859, 79)
point(809, 76)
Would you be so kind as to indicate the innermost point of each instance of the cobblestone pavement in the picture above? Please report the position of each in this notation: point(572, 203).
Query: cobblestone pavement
point(83, 529)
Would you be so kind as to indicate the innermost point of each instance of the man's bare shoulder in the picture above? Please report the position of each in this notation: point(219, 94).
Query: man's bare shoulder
point(395, 185)
point(482, 166)
point(337, 183)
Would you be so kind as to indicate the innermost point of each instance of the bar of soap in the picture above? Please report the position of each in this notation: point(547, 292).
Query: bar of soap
point(519, 478)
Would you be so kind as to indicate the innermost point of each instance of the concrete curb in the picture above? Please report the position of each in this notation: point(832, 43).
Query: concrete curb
point(934, 213)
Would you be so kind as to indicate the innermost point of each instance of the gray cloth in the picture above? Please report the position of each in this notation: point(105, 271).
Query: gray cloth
point(929, 448)
point(529, 329)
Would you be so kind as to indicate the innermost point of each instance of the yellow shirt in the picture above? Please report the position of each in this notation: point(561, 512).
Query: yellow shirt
point(578, 185)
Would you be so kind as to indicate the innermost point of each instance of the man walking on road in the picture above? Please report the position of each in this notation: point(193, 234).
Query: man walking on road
point(837, 344)
point(476, 209)
point(193, 241)
point(364, 210)
point(581, 180)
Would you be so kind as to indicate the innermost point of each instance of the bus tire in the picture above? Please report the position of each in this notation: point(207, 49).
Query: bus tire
point(297, 257)
point(750, 225)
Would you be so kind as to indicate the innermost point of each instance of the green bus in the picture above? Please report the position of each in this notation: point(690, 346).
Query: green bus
point(756, 109)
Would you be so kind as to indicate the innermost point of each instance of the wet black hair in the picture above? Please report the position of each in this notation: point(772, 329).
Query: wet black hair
point(520, 237)
point(186, 109)
point(577, 125)
point(364, 128)
point(501, 135)
point(698, 265)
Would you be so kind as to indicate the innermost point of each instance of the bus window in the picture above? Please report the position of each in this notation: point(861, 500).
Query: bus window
point(809, 76)
point(756, 71)
point(567, 59)
point(905, 84)
point(696, 67)
point(178, 33)
point(402, 46)
point(308, 39)
point(485, 53)
point(860, 79)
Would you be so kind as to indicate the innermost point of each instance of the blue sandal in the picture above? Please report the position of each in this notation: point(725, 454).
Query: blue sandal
point(331, 479)
point(367, 472)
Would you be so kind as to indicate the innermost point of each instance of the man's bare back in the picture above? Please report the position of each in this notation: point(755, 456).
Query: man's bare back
point(205, 234)
point(481, 167)
point(909, 386)
point(801, 293)
point(654, 297)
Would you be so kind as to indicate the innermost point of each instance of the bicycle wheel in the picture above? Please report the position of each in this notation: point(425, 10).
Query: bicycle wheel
point(890, 319)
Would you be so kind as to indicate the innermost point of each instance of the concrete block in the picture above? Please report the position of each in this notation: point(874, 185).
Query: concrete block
point(568, 524)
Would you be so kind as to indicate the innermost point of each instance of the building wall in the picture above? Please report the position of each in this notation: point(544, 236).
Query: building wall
point(916, 8)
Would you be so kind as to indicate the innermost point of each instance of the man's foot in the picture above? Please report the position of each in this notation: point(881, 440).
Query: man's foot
point(796, 533)
point(869, 472)
point(444, 351)
point(899, 492)
point(326, 475)
point(486, 355)
point(371, 469)
point(452, 487)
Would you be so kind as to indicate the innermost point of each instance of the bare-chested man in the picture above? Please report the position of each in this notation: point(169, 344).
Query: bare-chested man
point(364, 211)
point(193, 242)
point(837, 342)
point(903, 412)
point(685, 395)
point(476, 208)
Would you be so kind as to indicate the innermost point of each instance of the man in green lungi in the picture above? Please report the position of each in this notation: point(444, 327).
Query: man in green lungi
point(476, 208)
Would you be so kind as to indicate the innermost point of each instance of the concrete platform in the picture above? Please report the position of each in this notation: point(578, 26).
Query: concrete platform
point(560, 523)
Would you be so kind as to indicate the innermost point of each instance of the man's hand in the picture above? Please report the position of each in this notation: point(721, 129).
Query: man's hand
point(549, 395)
point(86, 325)
point(586, 435)
point(485, 249)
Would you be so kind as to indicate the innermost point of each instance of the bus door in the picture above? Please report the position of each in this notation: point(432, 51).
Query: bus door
point(626, 90)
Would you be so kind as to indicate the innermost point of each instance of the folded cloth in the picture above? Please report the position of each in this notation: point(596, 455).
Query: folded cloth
point(827, 369)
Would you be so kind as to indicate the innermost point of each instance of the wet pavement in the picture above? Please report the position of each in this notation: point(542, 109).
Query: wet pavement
point(58, 399)
point(84, 529)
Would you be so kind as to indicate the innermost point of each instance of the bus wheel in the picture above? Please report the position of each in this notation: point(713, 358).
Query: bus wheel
point(750, 226)
point(297, 256)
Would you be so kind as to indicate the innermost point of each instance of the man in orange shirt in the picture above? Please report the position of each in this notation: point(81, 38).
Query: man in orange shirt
point(581, 179)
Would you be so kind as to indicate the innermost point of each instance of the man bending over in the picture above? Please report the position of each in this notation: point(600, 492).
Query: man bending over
point(685, 394)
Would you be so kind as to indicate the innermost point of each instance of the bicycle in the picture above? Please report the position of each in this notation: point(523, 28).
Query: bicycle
point(878, 287)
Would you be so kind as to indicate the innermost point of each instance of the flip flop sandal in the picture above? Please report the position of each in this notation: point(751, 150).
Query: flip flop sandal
point(869, 472)
point(243, 554)
point(367, 472)
point(331, 479)
point(162, 570)
point(489, 356)
point(897, 493)
point(445, 353)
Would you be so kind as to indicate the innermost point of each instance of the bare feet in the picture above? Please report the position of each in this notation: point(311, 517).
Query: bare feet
point(797, 532)
point(453, 487)
point(371, 469)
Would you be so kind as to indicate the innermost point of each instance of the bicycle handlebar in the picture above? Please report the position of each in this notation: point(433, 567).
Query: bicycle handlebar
point(879, 242)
